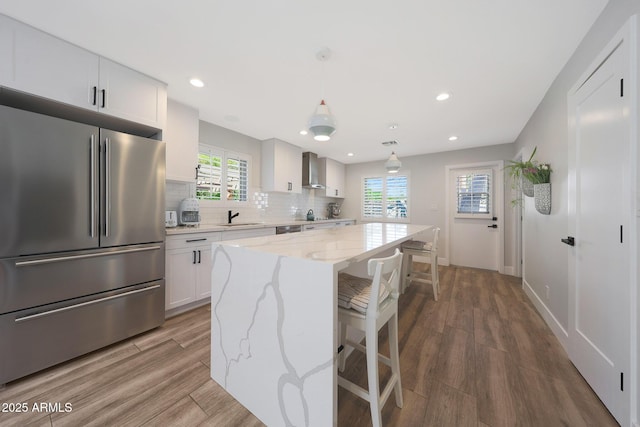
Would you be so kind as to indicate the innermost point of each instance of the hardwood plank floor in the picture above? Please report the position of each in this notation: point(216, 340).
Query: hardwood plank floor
point(480, 356)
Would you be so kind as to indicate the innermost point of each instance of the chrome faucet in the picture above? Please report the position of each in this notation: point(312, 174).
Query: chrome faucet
point(232, 215)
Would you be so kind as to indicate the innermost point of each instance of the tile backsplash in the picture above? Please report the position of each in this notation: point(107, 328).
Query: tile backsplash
point(262, 206)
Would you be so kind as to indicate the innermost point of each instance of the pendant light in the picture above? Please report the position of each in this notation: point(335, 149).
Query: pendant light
point(322, 124)
point(393, 164)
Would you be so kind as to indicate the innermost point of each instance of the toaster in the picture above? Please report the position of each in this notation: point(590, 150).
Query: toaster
point(189, 212)
point(170, 219)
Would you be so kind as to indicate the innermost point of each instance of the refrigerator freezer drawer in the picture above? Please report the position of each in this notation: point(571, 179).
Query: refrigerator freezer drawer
point(37, 338)
point(32, 281)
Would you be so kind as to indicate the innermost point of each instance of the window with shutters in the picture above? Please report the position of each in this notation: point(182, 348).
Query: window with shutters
point(223, 176)
point(474, 194)
point(386, 198)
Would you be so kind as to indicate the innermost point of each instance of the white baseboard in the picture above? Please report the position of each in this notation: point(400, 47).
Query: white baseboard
point(186, 307)
point(510, 271)
point(557, 329)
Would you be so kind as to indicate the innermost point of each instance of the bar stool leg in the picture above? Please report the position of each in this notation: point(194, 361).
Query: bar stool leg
point(372, 376)
point(435, 280)
point(407, 261)
point(342, 357)
point(395, 358)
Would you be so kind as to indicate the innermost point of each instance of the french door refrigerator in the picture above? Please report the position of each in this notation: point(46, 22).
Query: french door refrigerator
point(81, 239)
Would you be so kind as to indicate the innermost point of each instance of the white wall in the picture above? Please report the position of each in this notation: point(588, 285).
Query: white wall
point(427, 187)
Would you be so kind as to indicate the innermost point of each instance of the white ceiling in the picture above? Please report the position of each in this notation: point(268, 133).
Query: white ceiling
point(389, 61)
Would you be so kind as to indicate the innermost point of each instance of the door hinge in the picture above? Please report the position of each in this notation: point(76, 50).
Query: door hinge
point(621, 381)
point(621, 88)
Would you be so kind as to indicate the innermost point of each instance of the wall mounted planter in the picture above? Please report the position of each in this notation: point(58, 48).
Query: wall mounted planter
point(542, 198)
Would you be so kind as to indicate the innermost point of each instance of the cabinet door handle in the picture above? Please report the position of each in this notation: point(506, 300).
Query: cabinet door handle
point(196, 240)
point(289, 186)
point(104, 98)
point(199, 257)
point(194, 256)
point(95, 95)
point(336, 192)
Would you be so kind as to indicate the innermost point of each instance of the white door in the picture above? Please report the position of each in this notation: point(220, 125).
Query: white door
point(599, 220)
point(475, 210)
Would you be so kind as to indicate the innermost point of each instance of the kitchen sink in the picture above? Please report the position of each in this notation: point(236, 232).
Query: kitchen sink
point(236, 224)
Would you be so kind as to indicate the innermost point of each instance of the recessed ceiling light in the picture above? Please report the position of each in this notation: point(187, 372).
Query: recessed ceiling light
point(196, 82)
point(350, 154)
point(303, 132)
point(453, 138)
point(393, 126)
point(443, 96)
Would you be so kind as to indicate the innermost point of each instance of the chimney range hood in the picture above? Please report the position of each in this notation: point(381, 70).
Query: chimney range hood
point(310, 170)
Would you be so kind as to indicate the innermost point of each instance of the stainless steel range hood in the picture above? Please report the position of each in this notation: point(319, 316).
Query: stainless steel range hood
point(310, 170)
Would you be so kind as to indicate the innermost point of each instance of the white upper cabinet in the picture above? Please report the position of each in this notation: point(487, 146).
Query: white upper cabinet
point(131, 95)
point(281, 167)
point(43, 65)
point(181, 136)
point(37, 63)
point(331, 174)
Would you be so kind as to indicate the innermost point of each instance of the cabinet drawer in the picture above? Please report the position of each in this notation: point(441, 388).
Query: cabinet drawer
point(44, 336)
point(192, 239)
point(38, 280)
point(245, 234)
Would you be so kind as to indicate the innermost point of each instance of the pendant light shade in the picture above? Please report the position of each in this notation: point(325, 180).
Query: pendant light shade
point(322, 124)
point(393, 164)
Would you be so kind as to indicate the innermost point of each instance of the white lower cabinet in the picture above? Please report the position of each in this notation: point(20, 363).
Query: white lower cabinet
point(188, 265)
point(188, 268)
point(321, 225)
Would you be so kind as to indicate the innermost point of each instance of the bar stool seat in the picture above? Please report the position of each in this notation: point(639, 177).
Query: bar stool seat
point(368, 304)
point(425, 249)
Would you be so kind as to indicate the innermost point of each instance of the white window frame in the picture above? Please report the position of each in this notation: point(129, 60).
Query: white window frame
point(491, 192)
point(226, 155)
point(383, 217)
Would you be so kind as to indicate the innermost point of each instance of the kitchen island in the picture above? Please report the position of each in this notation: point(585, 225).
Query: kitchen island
point(274, 317)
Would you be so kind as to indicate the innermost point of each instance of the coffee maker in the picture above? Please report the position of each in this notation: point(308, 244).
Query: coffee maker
point(333, 210)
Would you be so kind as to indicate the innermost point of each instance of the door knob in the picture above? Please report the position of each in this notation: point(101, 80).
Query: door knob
point(569, 241)
point(492, 226)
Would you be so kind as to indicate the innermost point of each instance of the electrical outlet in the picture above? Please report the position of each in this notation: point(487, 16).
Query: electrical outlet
point(546, 291)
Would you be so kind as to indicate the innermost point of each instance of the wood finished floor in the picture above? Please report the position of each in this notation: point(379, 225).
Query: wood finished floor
point(480, 356)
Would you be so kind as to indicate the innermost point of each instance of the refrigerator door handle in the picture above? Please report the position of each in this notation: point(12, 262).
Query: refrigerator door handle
point(92, 172)
point(93, 255)
point(107, 191)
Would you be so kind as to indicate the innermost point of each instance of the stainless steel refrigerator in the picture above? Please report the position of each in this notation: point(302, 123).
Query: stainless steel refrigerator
point(81, 239)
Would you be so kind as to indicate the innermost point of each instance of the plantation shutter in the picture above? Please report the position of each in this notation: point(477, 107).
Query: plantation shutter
point(473, 190)
point(237, 179)
point(209, 174)
point(372, 199)
point(396, 193)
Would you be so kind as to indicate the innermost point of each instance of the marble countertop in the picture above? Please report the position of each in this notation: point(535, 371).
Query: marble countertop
point(239, 225)
point(338, 246)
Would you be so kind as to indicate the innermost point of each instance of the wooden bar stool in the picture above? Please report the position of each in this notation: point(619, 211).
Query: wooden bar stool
point(429, 250)
point(368, 304)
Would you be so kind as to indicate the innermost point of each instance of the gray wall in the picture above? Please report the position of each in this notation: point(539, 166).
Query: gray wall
point(427, 187)
point(225, 138)
point(545, 260)
point(544, 256)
